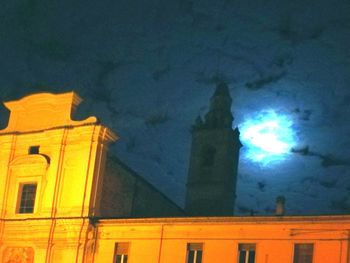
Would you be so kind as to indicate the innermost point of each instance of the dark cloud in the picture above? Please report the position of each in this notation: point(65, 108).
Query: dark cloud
point(261, 186)
point(108, 67)
point(264, 81)
point(308, 179)
point(282, 60)
point(328, 184)
point(160, 73)
point(303, 114)
point(157, 118)
point(327, 160)
point(289, 31)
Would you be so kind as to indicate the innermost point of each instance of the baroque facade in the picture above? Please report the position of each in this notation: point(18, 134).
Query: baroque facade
point(64, 199)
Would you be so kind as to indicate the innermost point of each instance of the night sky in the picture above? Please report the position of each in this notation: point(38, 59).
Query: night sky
point(147, 69)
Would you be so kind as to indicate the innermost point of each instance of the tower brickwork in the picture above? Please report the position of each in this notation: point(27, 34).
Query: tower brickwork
point(214, 158)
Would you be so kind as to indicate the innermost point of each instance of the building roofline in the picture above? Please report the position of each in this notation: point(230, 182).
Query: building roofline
point(231, 219)
point(313, 219)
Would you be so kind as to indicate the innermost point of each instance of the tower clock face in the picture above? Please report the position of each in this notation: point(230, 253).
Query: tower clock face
point(267, 136)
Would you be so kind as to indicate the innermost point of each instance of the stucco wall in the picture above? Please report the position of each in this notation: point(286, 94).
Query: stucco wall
point(165, 240)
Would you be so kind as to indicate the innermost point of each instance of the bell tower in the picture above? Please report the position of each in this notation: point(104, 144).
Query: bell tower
point(212, 175)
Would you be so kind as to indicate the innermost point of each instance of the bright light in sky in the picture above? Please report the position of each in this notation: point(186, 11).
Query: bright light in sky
point(267, 136)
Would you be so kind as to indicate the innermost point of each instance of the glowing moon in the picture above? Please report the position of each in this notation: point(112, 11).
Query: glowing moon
point(267, 136)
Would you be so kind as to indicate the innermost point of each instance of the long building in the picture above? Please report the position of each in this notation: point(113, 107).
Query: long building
point(64, 198)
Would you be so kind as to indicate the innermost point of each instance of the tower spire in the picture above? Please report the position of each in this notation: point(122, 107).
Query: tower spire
point(219, 114)
point(212, 176)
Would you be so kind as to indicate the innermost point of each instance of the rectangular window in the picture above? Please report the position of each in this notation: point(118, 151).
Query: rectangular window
point(33, 150)
point(194, 253)
point(121, 252)
point(27, 198)
point(246, 253)
point(303, 253)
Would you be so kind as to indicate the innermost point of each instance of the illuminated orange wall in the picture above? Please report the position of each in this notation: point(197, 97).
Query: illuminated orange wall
point(165, 240)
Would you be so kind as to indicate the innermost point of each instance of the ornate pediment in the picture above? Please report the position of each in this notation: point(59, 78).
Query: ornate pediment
point(43, 111)
point(30, 164)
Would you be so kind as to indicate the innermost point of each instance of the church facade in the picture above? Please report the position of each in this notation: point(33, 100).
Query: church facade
point(63, 198)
